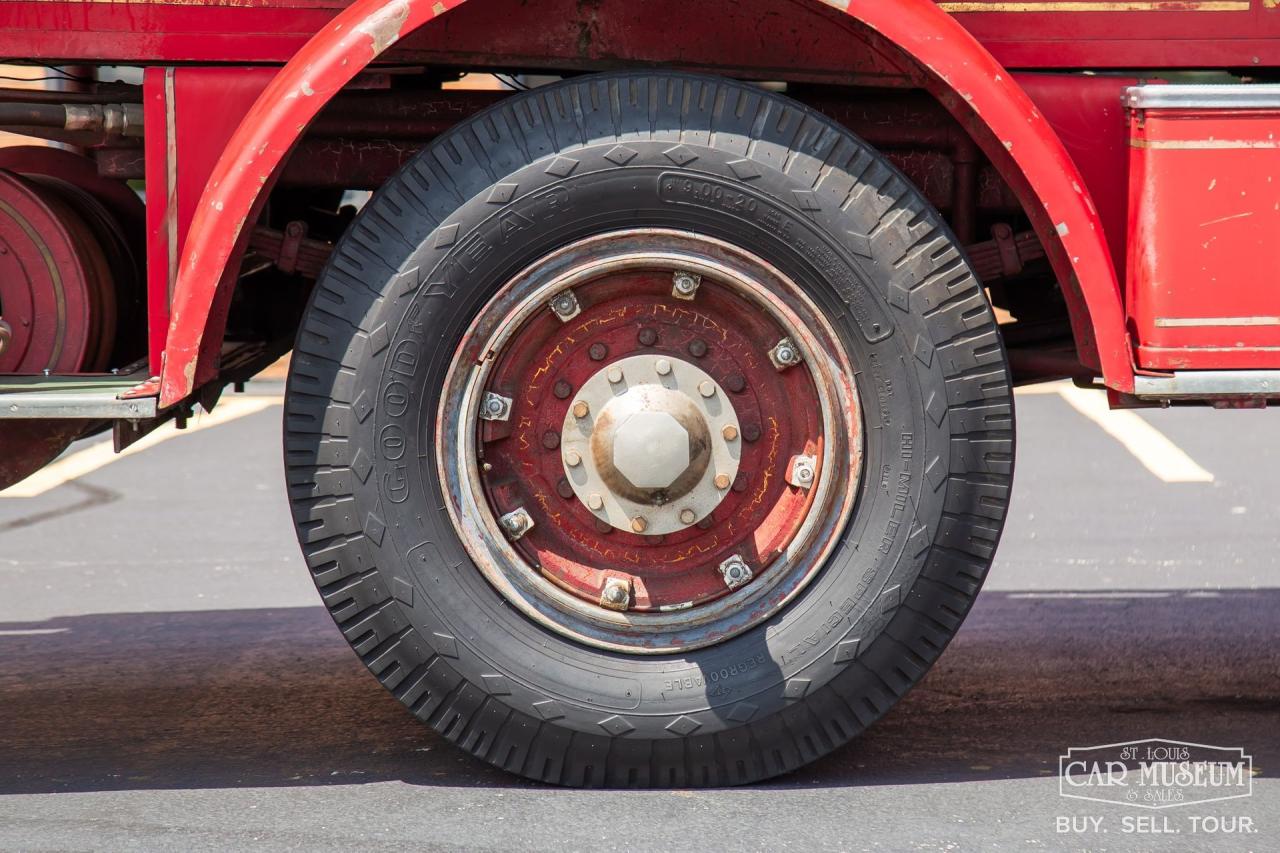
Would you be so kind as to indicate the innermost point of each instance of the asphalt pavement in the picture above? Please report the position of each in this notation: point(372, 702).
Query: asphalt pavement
point(169, 681)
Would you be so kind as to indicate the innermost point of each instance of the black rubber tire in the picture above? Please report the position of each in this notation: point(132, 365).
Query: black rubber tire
point(591, 155)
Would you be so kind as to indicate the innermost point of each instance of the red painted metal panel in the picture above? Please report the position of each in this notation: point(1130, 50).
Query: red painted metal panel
point(971, 84)
point(1203, 266)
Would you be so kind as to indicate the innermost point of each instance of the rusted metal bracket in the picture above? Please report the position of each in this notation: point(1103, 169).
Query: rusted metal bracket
point(290, 251)
point(1006, 254)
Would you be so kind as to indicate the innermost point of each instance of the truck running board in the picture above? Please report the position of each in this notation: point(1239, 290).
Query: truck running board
point(92, 398)
point(1209, 384)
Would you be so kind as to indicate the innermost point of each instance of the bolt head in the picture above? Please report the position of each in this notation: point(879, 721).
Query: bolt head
point(639, 524)
point(688, 516)
point(722, 481)
point(595, 502)
point(707, 388)
point(647, 337)
point(730, 432)
point(597, 352)
point(662, 366)
point(573, 457)
point(697, 347)
point(561, 389)
point(581, 409)
point(615, 374)
point(751, 432)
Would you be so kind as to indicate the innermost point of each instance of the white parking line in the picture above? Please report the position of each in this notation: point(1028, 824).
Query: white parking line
point(1149, 446)
point(95, 456)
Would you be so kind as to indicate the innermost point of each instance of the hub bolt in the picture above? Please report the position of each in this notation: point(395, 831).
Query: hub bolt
point(563, 489)
point(697, 347)
point(785, 354)
point(603, 526)
point(736, 382)
point(516, 523)
point(565, 306)
point(684, 285)
point(573, 457)
point(595, 502)
point(735, 572)
point(688, 516)
point(722, 481)
point(707, 388)
point(615, 375)
point(551, 439)
point(663, 367)
point(740, 482)
point(495, 407)
point(638, 524)
point(561, 389)
point(616, 594)
point(647, 337)
point(730, 432)
point(803, 471)
point(751, 432)
point(598, 352)
point(581, 409)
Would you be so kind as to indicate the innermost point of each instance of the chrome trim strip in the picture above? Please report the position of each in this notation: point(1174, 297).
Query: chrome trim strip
point(1203, 96)
point(1209, 383)
point(1181, 322)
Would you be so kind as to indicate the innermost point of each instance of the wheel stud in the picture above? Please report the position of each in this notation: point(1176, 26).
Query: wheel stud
point(736, 383)
point(647, 337)
point(722, 481)
point(750, 432)
point(573, 458)
point(598, 352)
point(730, 432)
point(551, 439)
point(684, 285)
point(561, 389)
point(639, 524)
point(663, 367)
point(581, 409)
point(563, 489)
point(688, 516)
point(697, 347)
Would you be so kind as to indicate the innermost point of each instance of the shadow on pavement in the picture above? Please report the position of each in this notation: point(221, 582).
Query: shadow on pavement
point(248, 698)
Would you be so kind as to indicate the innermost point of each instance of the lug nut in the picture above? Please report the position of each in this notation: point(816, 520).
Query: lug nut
point(647, 337)
point(495, 407)
point(616, 594)
point(563, 489)
point(736, 383)
point(581, 409)
point(595, 502)
point(697, 347)
point(751, 432)
point(730, 432)
point(561, 389)
point(722, 481)
point(662, 366)
point(573, 458)
point(565, 306)
point(615, 375)
point(684, 285)
point(598, 352)
point(516, 523)
point(707, 388)
point(804, 470)
point(785, 354)
point(688, 516)
point(735, 572)
point(638, 524)
point(551, 439)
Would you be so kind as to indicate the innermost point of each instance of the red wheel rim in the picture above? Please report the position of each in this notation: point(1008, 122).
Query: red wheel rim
point(739, 395)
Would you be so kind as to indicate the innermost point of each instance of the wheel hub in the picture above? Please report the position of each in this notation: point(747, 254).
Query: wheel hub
point(644, 444)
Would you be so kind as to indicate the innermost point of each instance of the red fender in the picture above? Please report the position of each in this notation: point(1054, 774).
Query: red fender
point(951, 63)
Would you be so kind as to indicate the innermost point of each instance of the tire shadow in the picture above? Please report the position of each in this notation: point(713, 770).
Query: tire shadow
point(273, 697)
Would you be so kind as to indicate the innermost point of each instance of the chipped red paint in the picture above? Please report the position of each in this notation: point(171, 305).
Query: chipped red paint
point(949, 61)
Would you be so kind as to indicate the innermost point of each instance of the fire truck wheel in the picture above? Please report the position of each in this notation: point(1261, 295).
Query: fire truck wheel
point(648, 430)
